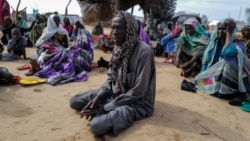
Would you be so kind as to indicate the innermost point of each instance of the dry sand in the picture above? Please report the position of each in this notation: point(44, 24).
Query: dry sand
point(42, 112)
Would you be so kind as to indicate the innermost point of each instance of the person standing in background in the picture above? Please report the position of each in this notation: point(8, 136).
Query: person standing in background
point(5, 10)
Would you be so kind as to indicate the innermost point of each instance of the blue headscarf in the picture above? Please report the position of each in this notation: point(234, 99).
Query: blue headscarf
point(214, 49)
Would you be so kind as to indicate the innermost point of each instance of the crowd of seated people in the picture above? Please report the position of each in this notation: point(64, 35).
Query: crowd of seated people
point(218, 61)
point(225, 65)
point(190, 47)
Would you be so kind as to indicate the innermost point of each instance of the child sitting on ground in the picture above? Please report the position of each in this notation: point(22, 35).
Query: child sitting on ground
point(15, 47)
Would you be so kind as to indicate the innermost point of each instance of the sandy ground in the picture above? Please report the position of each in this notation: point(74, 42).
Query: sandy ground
point(42, 112)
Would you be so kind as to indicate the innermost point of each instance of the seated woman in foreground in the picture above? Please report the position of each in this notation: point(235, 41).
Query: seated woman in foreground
point(190, 47)
point(70, 64)
point(225, 66)
point(54, 38)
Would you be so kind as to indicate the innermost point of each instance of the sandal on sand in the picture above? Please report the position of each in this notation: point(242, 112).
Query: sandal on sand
point(31, 81)
point(24, 67)
point(170, 61)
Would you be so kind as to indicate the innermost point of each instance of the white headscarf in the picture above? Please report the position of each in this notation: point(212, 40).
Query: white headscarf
point(50, 30)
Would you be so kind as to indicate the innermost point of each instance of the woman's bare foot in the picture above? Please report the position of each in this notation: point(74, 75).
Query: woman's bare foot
point(185, 65)
point(35, 66)
point(186, 73)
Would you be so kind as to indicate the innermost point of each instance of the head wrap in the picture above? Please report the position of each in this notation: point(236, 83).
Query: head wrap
point(246, 40)
point(121, 54)
point(50, 30)
point(200, 35)
point(142, 34)
point(193, 45)
point(4, 12)
point(177, 31)
point(246, 27)
point(209, 54)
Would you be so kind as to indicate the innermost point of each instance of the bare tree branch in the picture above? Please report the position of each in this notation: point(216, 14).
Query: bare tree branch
point(66, 9)
point(15, 20)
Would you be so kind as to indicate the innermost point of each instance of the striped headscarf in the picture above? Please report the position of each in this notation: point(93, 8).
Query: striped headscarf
point(193, 45)
point(121, 54)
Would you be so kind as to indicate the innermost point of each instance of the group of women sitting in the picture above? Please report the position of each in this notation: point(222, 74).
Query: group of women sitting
point(58, 62)
point(219, 64)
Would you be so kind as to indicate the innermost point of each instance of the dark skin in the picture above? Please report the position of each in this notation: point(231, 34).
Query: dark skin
point(34, 64)
point(64, 41)
point(95, 106)
point(8, 23)
point(77, 24)
point(189, 65)
point(16, 36)
point(118, 31)
point(66, 21)
point(225, 30)
point(246, 33)
point(189, 29)
point(56, 18)
point(1, 45)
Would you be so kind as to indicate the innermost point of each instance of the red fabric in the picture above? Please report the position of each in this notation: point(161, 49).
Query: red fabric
point(69, 28)
point(7, 10)
point(49, 47)
point(177, 31)
point(15, 79)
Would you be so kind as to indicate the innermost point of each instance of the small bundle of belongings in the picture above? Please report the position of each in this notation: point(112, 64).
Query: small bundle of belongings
point(7, 78)
point(188, 86)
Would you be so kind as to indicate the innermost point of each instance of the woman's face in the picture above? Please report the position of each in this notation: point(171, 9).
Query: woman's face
point(7, 21)
point(57, 20)
point(246, 32)
point(189, 29)
point(222, 30)
point(16, 34)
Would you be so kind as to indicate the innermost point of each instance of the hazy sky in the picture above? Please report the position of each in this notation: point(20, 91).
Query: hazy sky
point(214, 9)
